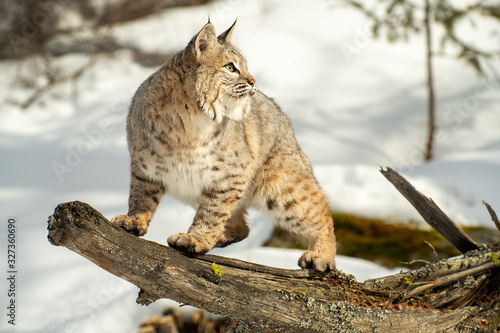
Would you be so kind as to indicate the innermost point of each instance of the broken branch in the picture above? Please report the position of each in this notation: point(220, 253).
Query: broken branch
point(493, 215)
point(431, 213)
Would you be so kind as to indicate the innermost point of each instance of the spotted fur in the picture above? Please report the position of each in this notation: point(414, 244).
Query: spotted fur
point(199, 131)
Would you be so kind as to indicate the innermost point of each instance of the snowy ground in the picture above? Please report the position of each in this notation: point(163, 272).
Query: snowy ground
point(351, 113)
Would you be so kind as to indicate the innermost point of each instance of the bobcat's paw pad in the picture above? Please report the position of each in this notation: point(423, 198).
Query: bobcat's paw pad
point(188, 243)
point(317, 261)
point(130, 224)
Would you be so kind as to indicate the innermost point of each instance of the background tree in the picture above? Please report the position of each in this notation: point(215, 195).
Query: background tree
point(402, 18)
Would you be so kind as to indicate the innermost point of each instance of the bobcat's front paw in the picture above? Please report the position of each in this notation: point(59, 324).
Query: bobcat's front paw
point(317, 261)
point(188, 243)
point(133, 225)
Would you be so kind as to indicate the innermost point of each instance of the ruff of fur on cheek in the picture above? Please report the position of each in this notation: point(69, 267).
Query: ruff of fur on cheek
point(210, 108)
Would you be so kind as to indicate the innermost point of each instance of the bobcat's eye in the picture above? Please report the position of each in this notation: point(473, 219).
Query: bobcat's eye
point(230, 67)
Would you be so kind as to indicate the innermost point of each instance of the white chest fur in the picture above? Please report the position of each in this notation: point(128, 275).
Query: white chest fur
point(184, 179)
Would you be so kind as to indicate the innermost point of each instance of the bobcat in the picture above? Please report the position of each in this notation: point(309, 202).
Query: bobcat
point(199, 130)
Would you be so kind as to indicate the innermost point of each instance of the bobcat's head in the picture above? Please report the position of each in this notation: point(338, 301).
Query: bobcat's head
point(217, 76)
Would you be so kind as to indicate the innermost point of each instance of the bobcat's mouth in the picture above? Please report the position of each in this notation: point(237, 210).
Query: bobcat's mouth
point(253, 90)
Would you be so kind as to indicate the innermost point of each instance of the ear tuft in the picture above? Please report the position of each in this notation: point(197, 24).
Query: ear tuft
point(204, 39)
point(227, 36)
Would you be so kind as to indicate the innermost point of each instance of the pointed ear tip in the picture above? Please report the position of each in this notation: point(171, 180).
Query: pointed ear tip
point(209, 27)
point(209, 23)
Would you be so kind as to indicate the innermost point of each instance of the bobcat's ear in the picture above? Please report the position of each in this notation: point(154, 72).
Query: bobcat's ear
point(204, 39)
point(227, 36)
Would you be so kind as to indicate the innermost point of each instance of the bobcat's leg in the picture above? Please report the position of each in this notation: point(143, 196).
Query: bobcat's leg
point(144, 197)
point(307, 214)
point(212, 222)
point(297, 203)
point(236, 229)
point(322, 245)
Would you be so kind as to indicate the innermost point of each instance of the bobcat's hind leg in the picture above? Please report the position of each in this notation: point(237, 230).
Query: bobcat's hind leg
point(144, 197)
point(302, 208)
point(322, 249)
point(322, 246)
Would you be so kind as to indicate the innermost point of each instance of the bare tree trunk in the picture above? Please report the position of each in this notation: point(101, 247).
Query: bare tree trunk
point(430, 84)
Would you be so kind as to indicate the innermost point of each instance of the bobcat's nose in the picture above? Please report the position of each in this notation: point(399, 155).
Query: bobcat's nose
point(251, 81)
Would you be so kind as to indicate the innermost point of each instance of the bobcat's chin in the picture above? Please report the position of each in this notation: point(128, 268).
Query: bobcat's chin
point(235, 108)
point(228, 105)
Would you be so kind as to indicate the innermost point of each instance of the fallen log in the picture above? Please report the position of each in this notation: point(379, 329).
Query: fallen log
point(260, 298)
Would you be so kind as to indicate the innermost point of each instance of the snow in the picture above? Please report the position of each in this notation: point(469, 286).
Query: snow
point(353, 112)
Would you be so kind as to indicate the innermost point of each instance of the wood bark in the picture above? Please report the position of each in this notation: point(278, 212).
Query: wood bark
point(261, 299)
